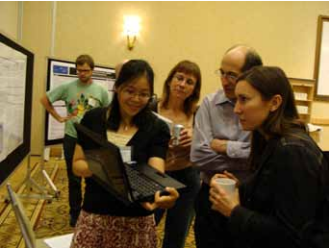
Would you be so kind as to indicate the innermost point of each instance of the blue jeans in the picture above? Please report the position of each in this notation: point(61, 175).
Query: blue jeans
point(75, 195)
point(180, 216)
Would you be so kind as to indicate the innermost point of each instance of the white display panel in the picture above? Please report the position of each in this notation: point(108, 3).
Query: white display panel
point(323, 80)
point(16, 75)
point(12, 98)
point(322, 60)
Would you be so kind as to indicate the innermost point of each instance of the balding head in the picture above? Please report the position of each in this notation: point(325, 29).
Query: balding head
point(237, 60)
point(246, 53)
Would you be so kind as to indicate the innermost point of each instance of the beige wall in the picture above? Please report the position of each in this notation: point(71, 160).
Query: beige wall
point(284, 33)
point(9, 19)
point(37, 37)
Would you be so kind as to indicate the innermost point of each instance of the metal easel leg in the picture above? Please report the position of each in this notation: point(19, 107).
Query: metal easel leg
point(50, 183)
point(30, 184)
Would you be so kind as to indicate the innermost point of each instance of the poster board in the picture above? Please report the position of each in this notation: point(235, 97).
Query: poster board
point(62, 71)
point(16, 80)
point(321, 72)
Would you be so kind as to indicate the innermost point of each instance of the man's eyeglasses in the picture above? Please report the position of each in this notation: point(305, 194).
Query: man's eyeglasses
point(132, 94)
point(79, 71)
point(231, 76)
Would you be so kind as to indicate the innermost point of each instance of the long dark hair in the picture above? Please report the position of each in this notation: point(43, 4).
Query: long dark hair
point(187, 67)
point(130, 71)
point(270, 81)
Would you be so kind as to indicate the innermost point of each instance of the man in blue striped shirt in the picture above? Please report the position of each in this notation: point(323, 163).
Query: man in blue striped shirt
point(220, 144)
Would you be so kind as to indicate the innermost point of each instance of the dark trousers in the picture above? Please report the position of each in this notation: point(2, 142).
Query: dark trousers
point(75, 195)
point(211, 227)
point(179, 217)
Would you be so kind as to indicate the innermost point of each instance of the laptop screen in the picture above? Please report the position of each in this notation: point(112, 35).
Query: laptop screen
point(106, 165)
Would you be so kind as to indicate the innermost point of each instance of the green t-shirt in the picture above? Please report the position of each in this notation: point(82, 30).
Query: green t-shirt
point(79, 98)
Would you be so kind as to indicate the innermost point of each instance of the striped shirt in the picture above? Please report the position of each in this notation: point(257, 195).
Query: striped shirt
point(216, 119)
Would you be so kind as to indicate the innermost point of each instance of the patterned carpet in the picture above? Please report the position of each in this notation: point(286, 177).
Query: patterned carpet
point(51, 219)
point(10, 234)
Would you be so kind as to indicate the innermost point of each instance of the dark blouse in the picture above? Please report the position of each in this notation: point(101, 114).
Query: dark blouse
point(149, 141)
point(282, 196)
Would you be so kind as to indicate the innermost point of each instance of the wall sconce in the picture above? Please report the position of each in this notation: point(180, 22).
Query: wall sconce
point(131, 30)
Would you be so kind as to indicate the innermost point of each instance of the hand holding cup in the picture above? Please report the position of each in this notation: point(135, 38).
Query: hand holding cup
point(227, 184)
point(223, 194)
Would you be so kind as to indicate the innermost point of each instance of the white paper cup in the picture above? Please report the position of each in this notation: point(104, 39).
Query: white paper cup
point(227, 184)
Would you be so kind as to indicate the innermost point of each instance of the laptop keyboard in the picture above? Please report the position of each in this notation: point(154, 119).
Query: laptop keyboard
point(140, 183)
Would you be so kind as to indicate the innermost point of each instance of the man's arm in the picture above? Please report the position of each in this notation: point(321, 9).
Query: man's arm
point(50, 108)
point(208, 152)
point(233, 149)
point(201, 152)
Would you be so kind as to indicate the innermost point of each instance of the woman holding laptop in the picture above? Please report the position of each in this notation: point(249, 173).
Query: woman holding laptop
point(104, 220)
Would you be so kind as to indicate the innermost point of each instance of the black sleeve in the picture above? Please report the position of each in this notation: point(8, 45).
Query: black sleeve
point(93, 121)
point(295, 194)
point(160, 142)
point(154, 105)
point(83, 139)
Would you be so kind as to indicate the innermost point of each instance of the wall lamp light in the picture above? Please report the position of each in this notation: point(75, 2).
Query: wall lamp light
point(131, 28)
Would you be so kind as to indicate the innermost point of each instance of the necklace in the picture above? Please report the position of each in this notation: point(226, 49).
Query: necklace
point(126, 127)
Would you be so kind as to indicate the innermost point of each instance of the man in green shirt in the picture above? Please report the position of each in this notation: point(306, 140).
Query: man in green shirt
point(79, 96)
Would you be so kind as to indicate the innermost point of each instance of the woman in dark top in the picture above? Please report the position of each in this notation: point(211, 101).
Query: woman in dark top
point(275, 205)
point(105, 221)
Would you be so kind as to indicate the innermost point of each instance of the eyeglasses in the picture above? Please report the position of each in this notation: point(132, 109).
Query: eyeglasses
point(79, 71)
point(181, 78)
point(231, 76)
point(132, 94)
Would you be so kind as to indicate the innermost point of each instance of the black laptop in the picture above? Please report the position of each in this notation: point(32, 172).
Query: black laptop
point(129, 182)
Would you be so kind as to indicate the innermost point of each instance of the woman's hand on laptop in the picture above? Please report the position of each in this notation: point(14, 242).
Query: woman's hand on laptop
point(162, 201)
point(168, 200)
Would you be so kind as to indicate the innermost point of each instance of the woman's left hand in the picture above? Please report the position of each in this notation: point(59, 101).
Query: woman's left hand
point(185, 138)
point(221, 201)
point(162, 201)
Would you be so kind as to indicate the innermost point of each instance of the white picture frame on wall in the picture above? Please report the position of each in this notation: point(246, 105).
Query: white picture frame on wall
point(321, 72)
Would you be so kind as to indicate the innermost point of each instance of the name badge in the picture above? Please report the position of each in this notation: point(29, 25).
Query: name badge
point(126, 154)
point(92, 102)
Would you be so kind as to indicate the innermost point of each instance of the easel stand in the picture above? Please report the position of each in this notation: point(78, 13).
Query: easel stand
point(31, 184)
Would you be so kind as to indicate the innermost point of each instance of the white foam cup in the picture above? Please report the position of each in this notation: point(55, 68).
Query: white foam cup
point(227, 184)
